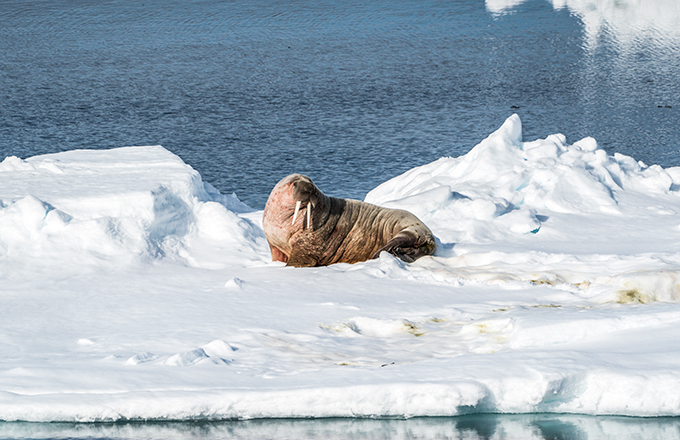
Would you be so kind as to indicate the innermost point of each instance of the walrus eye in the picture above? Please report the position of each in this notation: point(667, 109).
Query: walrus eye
point(297, 208)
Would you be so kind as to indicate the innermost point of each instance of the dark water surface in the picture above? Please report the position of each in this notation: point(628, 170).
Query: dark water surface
point(477, 427)
point(351, 93)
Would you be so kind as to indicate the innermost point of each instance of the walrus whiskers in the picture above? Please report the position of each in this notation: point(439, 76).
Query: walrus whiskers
point(297, 208)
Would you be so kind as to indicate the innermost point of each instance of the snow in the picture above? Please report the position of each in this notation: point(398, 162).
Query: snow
point(132, 290)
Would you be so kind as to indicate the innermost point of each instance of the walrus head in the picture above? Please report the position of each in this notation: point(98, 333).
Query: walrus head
point(291, 195)
point(290, 211)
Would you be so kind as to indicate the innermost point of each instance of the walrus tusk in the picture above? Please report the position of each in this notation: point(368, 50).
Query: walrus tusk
point(309, 215)
point(297, 208)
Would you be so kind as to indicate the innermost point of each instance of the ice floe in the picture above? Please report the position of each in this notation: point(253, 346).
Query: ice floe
point(133, 290)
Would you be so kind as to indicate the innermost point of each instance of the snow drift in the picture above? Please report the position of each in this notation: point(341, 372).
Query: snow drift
point(114, 207)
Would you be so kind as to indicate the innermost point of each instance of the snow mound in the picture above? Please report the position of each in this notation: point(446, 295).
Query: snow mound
point(504, 188)
point(120, 206)
point(372, 327)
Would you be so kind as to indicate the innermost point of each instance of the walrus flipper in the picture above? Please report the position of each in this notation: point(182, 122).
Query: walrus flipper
point(405, 246)
point(298, 258)
point(277, 254)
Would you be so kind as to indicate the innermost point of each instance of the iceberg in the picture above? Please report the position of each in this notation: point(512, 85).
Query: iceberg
point(627, 21)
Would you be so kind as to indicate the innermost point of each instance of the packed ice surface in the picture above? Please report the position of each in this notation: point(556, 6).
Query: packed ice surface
point(133, 290)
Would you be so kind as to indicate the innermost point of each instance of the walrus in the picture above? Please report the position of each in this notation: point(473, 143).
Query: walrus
point(305, 228)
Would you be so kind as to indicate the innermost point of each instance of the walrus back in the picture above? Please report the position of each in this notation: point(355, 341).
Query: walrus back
point(362, 229)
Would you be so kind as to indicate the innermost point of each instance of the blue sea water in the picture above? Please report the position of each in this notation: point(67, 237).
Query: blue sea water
point(351, 93)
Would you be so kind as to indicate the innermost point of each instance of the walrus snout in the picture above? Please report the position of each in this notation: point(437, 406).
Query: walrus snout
point(304, 193)
point(304, 190)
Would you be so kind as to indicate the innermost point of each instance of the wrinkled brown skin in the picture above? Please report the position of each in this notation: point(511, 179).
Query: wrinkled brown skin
point(342, 230)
